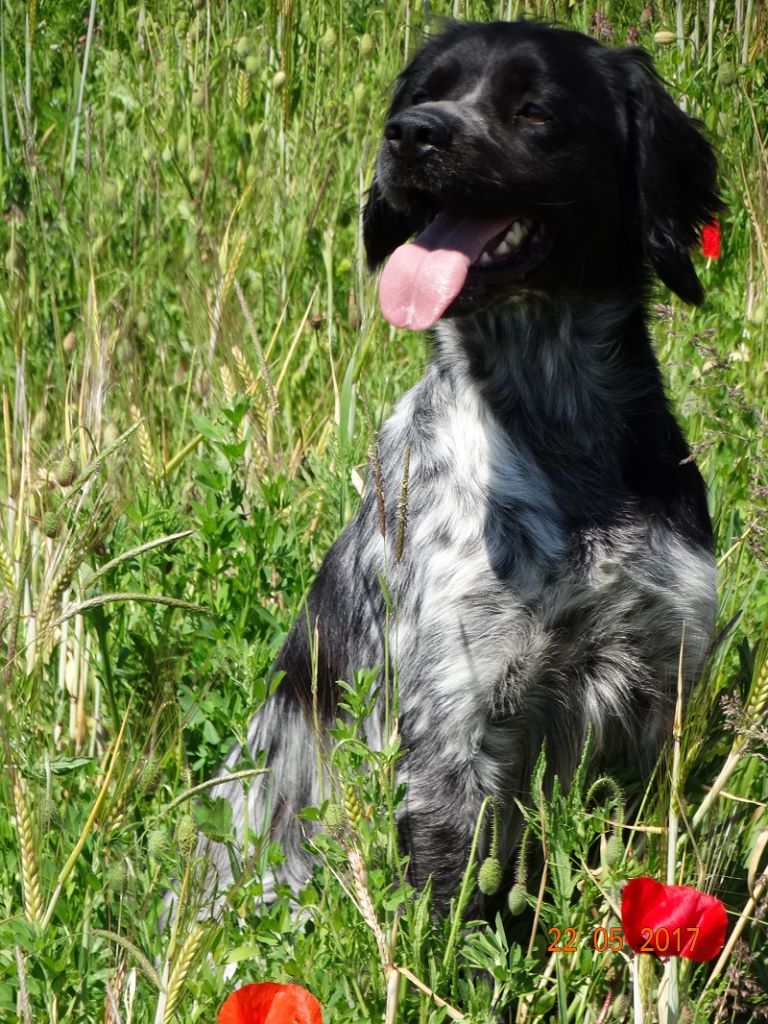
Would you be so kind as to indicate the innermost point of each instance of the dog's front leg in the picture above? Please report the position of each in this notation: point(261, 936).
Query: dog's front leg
point(437, 825)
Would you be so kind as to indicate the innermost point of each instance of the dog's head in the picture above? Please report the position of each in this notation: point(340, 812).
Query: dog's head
point(532, 159)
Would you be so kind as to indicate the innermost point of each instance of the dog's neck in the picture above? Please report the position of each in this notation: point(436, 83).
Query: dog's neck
point(576, 386)
point(556, 374)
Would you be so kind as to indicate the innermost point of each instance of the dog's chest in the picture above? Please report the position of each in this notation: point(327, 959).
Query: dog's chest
point(497, 592)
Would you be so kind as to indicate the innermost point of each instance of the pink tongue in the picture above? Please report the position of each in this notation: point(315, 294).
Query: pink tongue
point(423, 277)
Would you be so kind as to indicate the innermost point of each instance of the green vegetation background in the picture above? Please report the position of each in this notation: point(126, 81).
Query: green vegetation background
point(192, 370)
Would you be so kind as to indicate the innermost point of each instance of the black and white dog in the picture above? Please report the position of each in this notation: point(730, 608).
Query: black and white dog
point(557, 542)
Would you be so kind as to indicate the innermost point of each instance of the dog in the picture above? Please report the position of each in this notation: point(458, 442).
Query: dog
point(557, 553)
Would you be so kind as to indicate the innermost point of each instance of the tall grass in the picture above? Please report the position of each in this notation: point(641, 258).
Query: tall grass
point(193, 369)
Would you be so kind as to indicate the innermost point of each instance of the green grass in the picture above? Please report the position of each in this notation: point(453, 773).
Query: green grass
point(192, 369)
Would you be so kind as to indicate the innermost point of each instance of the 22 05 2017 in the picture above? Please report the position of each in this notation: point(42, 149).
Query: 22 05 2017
point(611, 940)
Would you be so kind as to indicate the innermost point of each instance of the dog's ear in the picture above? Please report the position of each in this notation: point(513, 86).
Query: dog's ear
point(675, 172)
point(384, 227)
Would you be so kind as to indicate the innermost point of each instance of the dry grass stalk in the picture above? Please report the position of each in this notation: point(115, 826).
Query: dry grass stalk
point(402, 507)
point(364, 903)
point(22, 1002)
point(113, 990)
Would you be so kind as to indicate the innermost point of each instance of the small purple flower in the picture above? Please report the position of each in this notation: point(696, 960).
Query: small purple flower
point(600, 26)
point(632, 36)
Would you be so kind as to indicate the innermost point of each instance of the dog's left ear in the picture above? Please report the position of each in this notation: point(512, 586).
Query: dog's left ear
point(675, 173)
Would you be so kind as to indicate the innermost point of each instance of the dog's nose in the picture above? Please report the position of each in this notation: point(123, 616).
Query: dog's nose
point(415, 133)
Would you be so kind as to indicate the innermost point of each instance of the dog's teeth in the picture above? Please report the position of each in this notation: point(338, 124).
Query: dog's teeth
point(502, 249)
point(485, 259)
point(516, 233)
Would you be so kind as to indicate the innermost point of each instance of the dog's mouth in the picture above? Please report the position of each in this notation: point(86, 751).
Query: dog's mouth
point(423, 278)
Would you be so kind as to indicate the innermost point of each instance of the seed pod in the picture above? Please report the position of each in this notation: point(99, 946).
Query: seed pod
point(614, 851)
point(110, 433)
point(366, 45)
point(328, 39)
point(149, 774)
point(158, 843)
point(66, 471)
point(117, 874)
point(664, 37)
point(252, 64)
point(195, 176)
point(198, 98)
point(726, 75)
point(517, 900)
point(69, 342)
point(49, 814)
point(620, 1008)
point(50, 524)
point(489, 876)
point(243, 47)
point(335, 821)
point(186, 836)
point(278, 80)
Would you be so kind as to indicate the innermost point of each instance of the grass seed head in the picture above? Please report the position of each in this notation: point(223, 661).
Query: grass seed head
point(186, 835)
point(51, 524)
point(158, 843)
point(335, 821)
point(243, 47)
point(353, 807)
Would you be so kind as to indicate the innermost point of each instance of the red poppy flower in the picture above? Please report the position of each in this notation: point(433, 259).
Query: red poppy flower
point(672, 920)
point(267, 1002)
point(710, 240)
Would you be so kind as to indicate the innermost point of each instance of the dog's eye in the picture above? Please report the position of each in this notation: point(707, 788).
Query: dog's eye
point(420, 96)
point(534, 113)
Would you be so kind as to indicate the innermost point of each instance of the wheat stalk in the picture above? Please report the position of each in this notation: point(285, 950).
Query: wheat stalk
point(365, 903)
point(145, 443)
point(231, 271)
point(30, 878)
point(181, 969)
point(243, 89)
point(6, 567)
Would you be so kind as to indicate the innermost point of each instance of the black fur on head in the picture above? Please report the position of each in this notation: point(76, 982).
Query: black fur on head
point(581, 142)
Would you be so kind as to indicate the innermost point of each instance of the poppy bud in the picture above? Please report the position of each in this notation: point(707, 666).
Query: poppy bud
point(489, 876)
